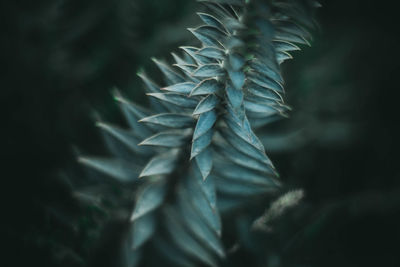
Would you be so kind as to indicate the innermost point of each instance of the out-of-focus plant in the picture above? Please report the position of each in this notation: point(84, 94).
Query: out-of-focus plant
point(195, 147)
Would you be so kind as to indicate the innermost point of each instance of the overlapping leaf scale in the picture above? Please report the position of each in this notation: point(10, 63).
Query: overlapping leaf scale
point(215, 95)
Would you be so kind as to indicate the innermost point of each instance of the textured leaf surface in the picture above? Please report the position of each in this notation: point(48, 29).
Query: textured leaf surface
point(167, 139)
point(206, 104)
point(204, 162)
point(201, 143)
point(184, 240)
point(160, 164)
point(207, 86)
point(205, 122)
point(148, 199)
point(173, 120)
point(143, 229)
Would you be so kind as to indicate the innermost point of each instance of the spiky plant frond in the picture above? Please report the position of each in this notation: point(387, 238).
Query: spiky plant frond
point(195, 147)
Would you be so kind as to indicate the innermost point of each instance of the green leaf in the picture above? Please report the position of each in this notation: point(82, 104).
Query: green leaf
point(212, 21)
point(184, 240)
point(143, 229)
point(132, 114)
point(282, 57)
point(120, 170)
point(171, 77)
point(283, 46)
point(176, 99)
point(263, 92)
point(202, 205)
point(204, 162)
point(127, 138)
point(236, 61)
point(244, 160)
point(206, 104)
point(172, 138)
point(207, 186)
point(197, 226)
point(172, 120)
point(266, 68)
point(265, 82)
point(205, 87)
point(292, 28)
point(149, 198)
point(235, 96)
point(201, 143)
point(209, 70)
point(212, 52)
point(210, 31)
point(183, 88)
point(161, 164)
point(291, 38)
point(192, 52)
point(240, 174)
point(241, 131)
point(244, 147)
point(237, 78)
point(205, 123)
point(151, 86)
point(205, 39)
point(266, 110)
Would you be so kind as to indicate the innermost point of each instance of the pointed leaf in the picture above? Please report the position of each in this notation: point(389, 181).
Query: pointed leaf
point(212, 21)
point(205, 123)
point(160, 164)
point(266, 110)
point(207, 86)
point(175, 138)
point(205, 39)
point(243, 160)
point(244, 147)
point(183, 88)
point(176, 99)
point(202, 205)
point(266, 69)
point(184, 240)
point(206, 104)
point(212, 52)
point(204, 162)
point(209, 70)
point(192, 52)
point(118, 169)
point(237, 78)
point(265, 82)
point(171, 76)
point(236, 61)
point(235, 96)
point(148, 199)
point(285, 46)
point(201, 143)
point(263, 92)
point(143, 229)
point(197, 226)
point(173, 120)
point(244, 175)
point(209, 31)
point(127, 138)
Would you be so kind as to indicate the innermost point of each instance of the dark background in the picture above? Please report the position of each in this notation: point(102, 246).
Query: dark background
point(59, 60)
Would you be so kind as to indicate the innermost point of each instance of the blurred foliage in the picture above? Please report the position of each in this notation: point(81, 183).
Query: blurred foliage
point(60, 58)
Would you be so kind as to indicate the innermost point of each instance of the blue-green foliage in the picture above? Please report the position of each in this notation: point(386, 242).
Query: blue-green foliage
point(195, 147)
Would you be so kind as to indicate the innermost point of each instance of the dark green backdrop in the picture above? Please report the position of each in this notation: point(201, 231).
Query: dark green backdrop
point(60, 58)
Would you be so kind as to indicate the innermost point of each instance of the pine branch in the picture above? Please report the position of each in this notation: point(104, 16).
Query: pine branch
point(198, 136)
